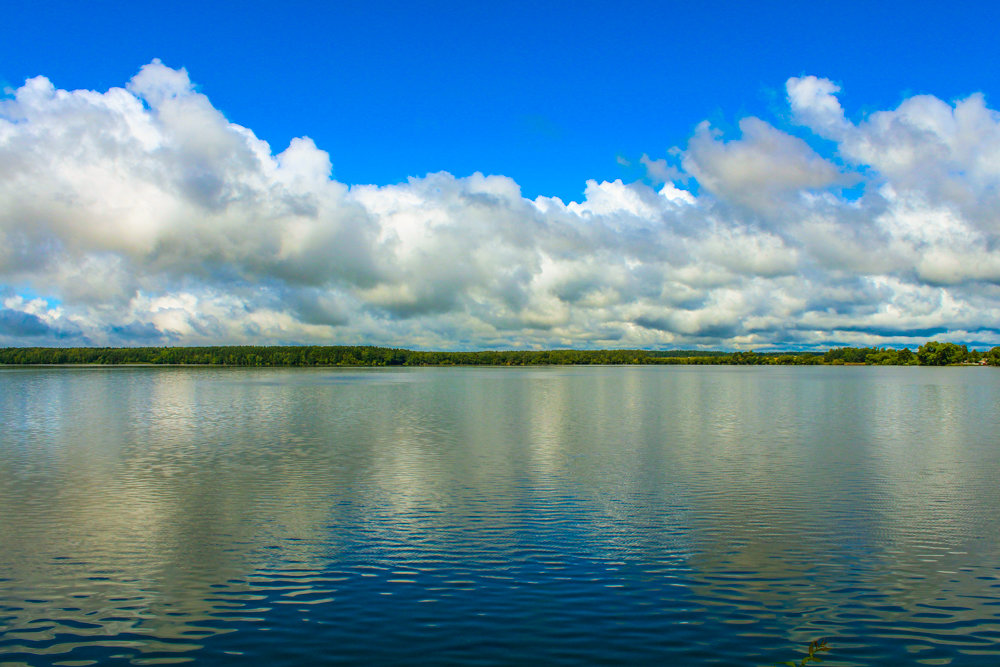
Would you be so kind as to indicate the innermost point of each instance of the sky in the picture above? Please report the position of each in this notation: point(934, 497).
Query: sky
point(467, 176)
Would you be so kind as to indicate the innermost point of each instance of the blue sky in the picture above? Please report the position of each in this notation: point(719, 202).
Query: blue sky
point(549, 95)
point(768, 175)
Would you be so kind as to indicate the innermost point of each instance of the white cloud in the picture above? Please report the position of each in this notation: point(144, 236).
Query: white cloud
point(143, 215)
point(946, 154)
point(759, 170)
point(814, 103)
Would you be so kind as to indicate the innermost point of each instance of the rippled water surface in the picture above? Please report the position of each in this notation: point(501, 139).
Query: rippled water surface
point(622, 515)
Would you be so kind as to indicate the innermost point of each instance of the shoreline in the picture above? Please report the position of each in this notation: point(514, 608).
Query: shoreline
point(932, 353)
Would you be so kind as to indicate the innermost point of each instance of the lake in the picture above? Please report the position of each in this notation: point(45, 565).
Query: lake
point(557, 515)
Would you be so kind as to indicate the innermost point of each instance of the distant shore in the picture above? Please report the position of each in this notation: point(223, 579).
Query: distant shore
point(932, 353)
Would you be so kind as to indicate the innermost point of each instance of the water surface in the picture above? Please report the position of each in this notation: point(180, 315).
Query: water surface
point(608, 515)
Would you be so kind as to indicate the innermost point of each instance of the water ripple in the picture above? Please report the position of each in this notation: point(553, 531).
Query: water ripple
point(486, 516)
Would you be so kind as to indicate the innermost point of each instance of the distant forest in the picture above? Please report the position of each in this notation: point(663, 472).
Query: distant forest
point(931, 353)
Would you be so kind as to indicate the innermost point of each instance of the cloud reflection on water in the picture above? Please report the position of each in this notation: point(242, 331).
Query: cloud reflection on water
point(162, 507)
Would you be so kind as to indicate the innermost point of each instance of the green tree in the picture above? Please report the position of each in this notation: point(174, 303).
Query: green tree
point(933, 353)
point(905, 357)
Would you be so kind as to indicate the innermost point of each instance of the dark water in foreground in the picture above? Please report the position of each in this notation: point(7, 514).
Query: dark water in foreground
point(638, 515)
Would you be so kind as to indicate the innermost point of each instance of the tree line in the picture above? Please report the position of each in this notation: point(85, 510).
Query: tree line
point(932, 353)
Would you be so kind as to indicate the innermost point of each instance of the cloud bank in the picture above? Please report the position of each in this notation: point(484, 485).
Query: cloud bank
point(142, 215)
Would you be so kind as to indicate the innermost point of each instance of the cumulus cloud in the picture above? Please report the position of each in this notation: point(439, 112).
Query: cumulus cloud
point(142, 215)
point(814, 103)
point(761, 170)
point(946, 155)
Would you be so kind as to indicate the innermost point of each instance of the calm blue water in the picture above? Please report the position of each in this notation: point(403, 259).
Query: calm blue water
point(606, 515)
